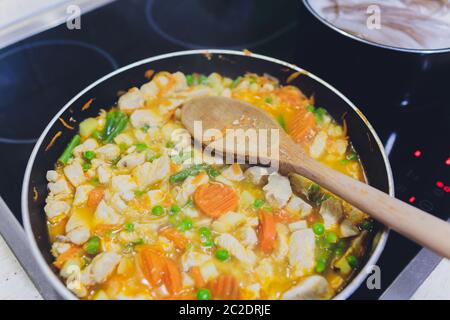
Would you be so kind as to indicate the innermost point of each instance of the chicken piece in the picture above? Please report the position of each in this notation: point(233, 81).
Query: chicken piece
point(123, 183)
point(105, 214)
point(297, 206)
point(124, 139)
point(302, 245)
point(77, 227)
point(264, 271)
point(100, 268)
point(338, 147)
point(81, 194)
point(59, 187)
point(236, 249)
point(108, 152)
point(118, 203)
point(131, 161)
point(57, 208)
point(209, 271)
point(277, 190)
point(228, 222)
point(298, 225)
point(152, 172)
point(348, 229)
point(331, 212)
point(52, 176)
point(247, 235)
point(311, 288)
point(180, 81)
point(318, 145)
point(281, 242)
point(145, 118)
point(104, 174)
point(189, 186)
point(59, 248)
point(74, 173)
point(156, 196)
point(193, 259)
point(133, 99)
point(150, 90)
point(257, 175)
point(88, 145)
point(233, 173)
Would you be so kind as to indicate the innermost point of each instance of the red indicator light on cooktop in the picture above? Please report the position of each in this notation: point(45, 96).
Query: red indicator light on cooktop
point(412, 199)
point(447, 189)
point(447, 162)
point(439, 184)
point(417, 153)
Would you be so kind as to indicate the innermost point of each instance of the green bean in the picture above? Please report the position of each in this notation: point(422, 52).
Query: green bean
point(121, 124)
point(65, 156)
point(109, 124)
point(191, 171)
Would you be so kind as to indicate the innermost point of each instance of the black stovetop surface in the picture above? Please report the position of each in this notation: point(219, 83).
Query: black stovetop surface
point(40, 74)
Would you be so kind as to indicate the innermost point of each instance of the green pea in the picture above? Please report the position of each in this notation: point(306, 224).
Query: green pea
point(189, 79)
point(269, 100)
point(89, 155)
point(129, 227)
point(332, 237)
point(92, 246)
point(185, 224)
point(353, 261)
point(208, 243)
point(157, 210)
point(268, 209)
point(205, 232)
point(222, 254)
point(203, 294)
point(86, 166)
point(321, 266)
point(138, 241)
point(258, 203)
point(318, 228)
point(175, 209)
point(141, 147)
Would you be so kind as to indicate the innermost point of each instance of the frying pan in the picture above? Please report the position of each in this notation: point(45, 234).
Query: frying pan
point(225, 62)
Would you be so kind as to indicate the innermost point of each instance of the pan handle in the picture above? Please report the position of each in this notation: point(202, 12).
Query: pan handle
point(16, 239)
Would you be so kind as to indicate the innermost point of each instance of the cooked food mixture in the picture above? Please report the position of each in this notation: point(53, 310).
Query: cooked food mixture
point(132, 216)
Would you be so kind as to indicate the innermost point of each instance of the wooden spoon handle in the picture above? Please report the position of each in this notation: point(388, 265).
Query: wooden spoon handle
point(415, 224)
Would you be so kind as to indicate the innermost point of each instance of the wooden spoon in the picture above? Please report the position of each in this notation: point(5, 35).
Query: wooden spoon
point(225, 113)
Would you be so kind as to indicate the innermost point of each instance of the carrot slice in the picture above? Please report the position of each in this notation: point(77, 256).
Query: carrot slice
point(197, 277)
point(70, 253)
point(179, 240)
point(215, 199)
point(225, 287)
point(301, 126)
point(95, 196)
point(172, 277)
point(152, 266)
point(267, 231)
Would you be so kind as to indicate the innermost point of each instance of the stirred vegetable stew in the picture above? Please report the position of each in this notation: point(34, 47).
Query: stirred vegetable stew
point(131, 216)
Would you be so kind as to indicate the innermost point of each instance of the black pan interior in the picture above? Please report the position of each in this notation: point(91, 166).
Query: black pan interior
point(105, 94)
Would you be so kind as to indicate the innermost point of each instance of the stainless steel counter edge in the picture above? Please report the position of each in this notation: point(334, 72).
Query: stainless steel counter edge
point(44, 19)
point(17, 241)
point(413, 276)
